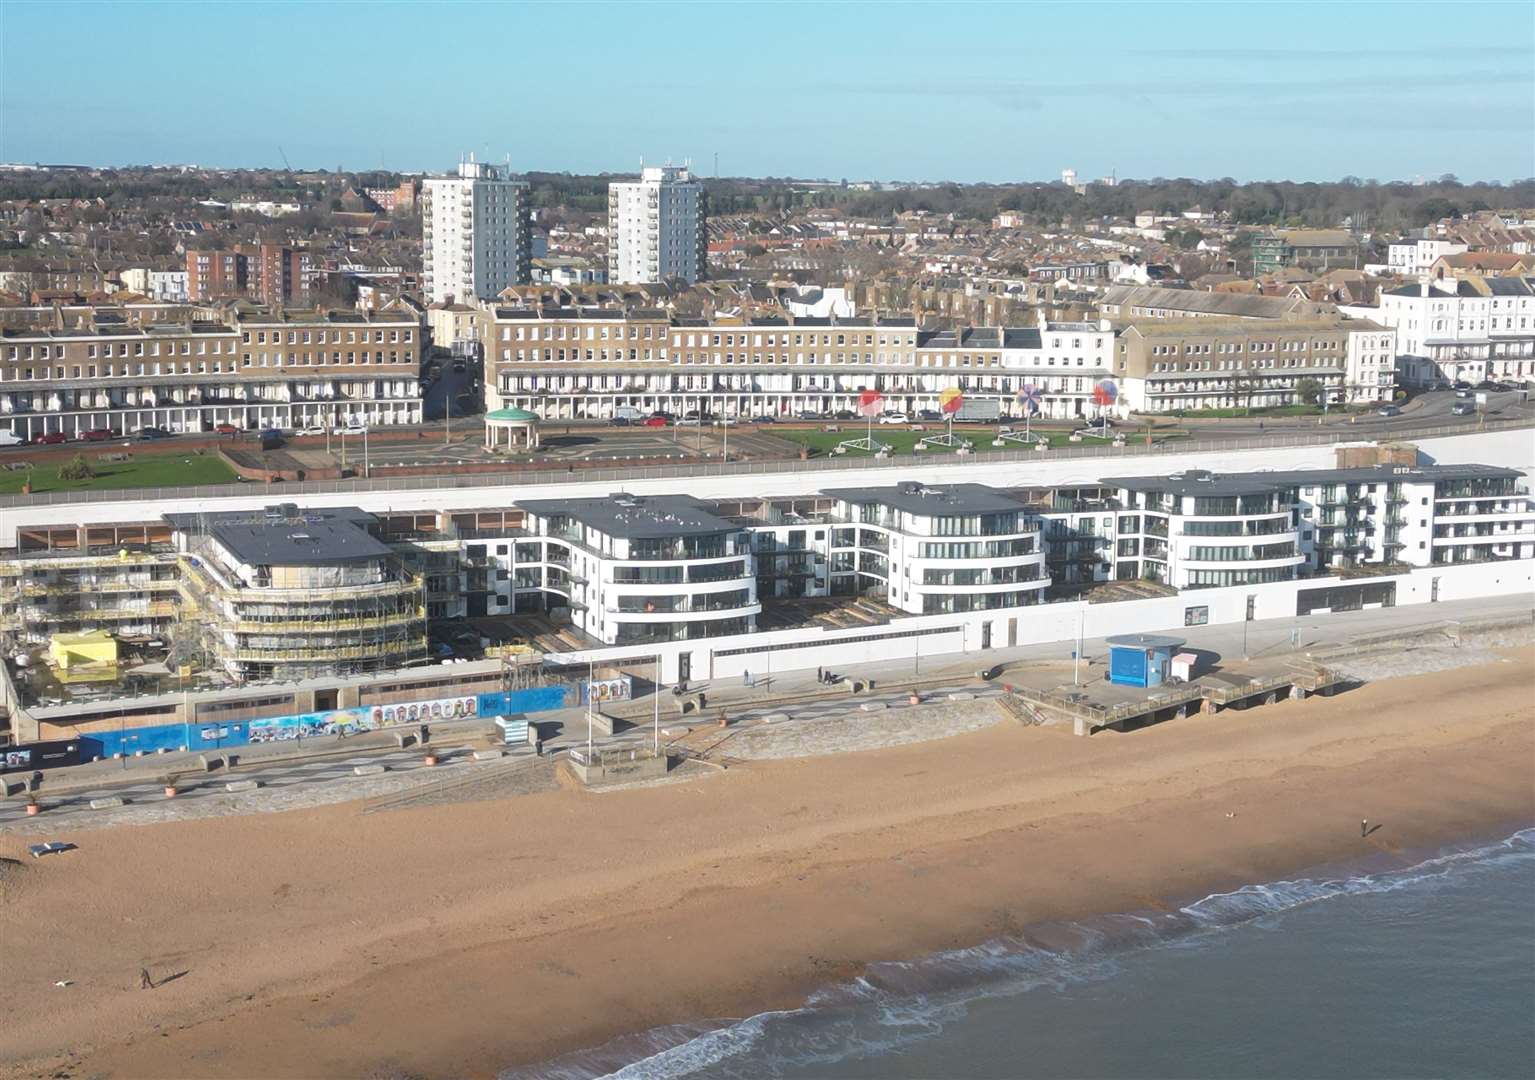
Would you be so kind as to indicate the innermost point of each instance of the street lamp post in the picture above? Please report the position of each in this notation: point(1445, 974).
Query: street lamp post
point(655, 720)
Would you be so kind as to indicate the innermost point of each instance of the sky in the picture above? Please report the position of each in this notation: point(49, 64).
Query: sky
point(959, 91)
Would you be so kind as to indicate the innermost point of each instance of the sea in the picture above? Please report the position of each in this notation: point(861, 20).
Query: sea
point(1418, 967)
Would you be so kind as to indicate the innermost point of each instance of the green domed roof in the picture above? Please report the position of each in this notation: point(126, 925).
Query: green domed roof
point(520, 415)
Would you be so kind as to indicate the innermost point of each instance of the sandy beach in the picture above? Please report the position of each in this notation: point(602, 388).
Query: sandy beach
point(457, 940)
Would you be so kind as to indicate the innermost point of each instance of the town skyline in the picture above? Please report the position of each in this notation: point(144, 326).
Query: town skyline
point(1200, 92)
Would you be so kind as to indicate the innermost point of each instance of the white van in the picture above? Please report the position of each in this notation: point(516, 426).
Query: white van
point(629, 413)
point(10, 438)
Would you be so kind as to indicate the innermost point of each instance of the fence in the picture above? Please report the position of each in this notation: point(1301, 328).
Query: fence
point(694, 469)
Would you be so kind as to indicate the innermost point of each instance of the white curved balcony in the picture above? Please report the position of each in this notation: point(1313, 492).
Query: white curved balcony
point(678, 588)
point(1032, 584)
point(976, 562)
point(1187, 541)
point(614, 615)
point(1243, 564)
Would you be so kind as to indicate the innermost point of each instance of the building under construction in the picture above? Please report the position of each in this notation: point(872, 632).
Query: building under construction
point(284, 594)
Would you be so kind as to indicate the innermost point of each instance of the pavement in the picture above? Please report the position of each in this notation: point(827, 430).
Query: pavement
point(795, 693)
point(276, 776)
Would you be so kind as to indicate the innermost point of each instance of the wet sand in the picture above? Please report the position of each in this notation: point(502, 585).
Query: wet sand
point(458, 940)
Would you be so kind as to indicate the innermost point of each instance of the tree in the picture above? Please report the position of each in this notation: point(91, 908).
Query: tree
point(1309, 391)
point(76, 468)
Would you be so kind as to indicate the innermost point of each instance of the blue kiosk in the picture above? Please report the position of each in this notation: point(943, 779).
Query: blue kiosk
point(1141, 659)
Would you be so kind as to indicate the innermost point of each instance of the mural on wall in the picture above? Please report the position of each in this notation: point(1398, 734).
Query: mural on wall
point(363, 718)
point(600, 690)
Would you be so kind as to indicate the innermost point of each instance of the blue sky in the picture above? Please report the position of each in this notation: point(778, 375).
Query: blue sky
point(912, 91)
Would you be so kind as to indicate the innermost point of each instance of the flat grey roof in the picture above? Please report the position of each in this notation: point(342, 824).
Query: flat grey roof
point(289, 536)
point(636, 517)
point(932, 500)
point(1201, 482)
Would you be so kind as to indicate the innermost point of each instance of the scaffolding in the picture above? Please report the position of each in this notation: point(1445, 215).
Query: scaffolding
point(43, 594)
point(255, 633)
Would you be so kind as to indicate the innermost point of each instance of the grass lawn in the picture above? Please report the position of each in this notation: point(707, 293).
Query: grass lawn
point(823, 443)
point(144, 471)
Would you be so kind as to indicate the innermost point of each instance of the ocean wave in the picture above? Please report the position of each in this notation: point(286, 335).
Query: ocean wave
point(894, 1003)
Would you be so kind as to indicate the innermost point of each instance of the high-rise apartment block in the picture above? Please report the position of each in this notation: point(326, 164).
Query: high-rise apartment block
point(476, 233)
point(656, 228)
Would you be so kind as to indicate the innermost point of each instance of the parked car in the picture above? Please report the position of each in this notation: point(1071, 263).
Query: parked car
point(691, 418)
point(149, 434)
point(627, 412)
point(10, 438)
point(656, 421)
point(893, 418)
point(620, 421)
point(349, 429)
point(312, 429)
point(1389, 410)
point(764, 419)
point(51, 438)
point(724, 421)
point(100, 434)
point(1463, 391)
point(810, 414)
point(844, 414)
point(271, 438)
point(929, 414)
point(1463, 408)
point(226, 429)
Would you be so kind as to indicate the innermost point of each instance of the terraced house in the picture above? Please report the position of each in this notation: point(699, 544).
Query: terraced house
point(253, 370)
point(1215, 363)
point(583, 363)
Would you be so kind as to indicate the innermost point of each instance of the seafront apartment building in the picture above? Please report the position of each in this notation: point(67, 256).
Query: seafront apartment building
point(646, 568)
point(252, 369)
point(289, 610)
point(583, 363)
point(1468, 329)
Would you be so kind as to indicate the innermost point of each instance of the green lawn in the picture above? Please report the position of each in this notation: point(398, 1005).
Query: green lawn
point(144, 471)
point(823, 443)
